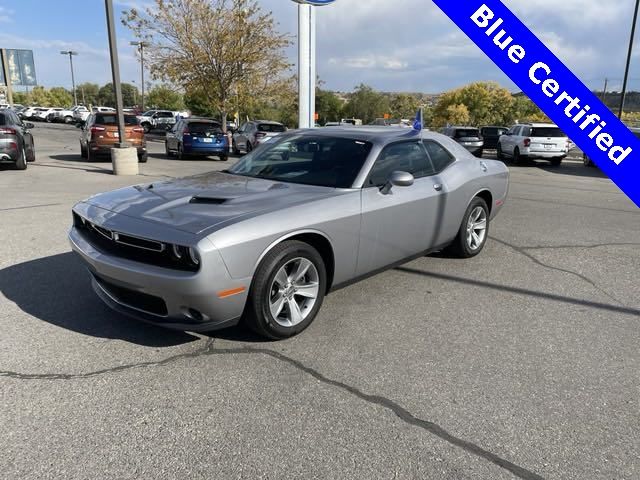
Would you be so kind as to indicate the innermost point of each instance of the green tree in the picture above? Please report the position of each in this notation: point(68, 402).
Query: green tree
point(403, 105)
point(60, 97)
point(227, 51)
point(366, 104)
point(39, 96)
point(328, 106)
point(164, 97)
point(487, 103)
point(107, 97)
point(21, 97)
point(88, 93)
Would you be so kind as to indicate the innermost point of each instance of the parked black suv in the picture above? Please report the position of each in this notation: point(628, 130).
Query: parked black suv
point(16, 141)
point(468, 137)
point(491, 134)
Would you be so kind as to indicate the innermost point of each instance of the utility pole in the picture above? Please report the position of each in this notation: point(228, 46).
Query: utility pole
point(626, 72)
point(73, 79)
point(604, 91)
point(141, 46)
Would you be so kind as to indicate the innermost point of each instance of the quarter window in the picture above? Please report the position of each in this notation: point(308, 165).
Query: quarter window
point(440, 157)
point(405, 157)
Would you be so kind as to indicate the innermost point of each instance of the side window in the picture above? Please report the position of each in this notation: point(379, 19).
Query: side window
point(440, 157)
point(526, 131)
point(406, 157)
point(512, 131)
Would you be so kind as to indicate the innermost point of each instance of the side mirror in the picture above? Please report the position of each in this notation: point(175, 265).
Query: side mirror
point(398, 179)
point(29, 125)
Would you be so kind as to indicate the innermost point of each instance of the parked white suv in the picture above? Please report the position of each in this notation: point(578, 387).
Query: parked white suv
point(535, 141)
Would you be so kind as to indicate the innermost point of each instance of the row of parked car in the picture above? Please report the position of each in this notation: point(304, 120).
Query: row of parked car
point(534, 141)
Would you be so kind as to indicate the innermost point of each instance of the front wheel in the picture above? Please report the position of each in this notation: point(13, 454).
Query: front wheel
point(500, 153)
point(287, 290)
point(473, 232)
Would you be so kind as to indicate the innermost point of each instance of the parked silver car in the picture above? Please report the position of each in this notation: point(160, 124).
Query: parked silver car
point(252, 134)
point(266, 240)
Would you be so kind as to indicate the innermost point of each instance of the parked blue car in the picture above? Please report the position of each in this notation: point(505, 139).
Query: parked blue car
point(197, 137)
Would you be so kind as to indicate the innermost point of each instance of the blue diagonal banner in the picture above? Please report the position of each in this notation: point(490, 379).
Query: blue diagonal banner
point(551, 86)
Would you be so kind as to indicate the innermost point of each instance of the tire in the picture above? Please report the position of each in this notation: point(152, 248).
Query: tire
point(91, 157)
point(83, 152)
point(224, 158)
point(516, 156)
point(464, 245)
point(168, 152)
point(146, 127)
point(234, 148)
point(180, 154)
point(555, 162)
point(266, 293)
point(21, 163)
point(142, 158)
point(499, 152)
point(248, 147)
point(68, 120)
point(479, 153)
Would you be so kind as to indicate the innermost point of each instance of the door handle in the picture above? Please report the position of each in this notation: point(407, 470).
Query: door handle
point(483, 166)
point(437, 187)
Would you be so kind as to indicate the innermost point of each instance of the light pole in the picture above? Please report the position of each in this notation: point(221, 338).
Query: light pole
point(73, 80)
point(141, 46)
point(307, 61)
point(626, 71)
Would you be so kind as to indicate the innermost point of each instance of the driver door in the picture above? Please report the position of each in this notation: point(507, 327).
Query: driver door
point(403, 222)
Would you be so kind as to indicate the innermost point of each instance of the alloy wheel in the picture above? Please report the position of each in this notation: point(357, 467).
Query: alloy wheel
point(476, 228)
point(294, 292)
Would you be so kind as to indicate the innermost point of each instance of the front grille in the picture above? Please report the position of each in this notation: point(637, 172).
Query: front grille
point(130, 247)
point(131, 298)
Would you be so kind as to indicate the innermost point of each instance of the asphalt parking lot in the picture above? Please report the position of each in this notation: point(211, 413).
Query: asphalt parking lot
point(520, 363)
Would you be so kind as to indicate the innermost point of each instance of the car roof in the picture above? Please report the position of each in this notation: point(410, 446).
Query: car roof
point(373, 134)
point(540, 125)
point(269, 122)
point(462, 126)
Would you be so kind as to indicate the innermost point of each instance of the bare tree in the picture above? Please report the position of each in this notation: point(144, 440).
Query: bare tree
point(228, 50)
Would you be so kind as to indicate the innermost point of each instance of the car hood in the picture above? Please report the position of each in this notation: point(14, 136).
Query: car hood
point(202, 202)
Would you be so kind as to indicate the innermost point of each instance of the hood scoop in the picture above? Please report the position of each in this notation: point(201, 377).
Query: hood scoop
point(205, 200)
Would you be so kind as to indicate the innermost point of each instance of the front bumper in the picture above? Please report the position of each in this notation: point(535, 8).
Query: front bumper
point(169, 298)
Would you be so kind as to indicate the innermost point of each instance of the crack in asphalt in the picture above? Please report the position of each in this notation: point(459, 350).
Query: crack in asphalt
point(30, 206)
point(205, 350)
point(585, 247)
point(592, 207)
point(522, 251)
point(402, 413)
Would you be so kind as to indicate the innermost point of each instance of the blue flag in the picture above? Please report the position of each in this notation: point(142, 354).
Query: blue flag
point(418, 124)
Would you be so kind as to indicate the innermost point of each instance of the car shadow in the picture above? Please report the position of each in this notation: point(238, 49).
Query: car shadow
point(574, 169)
point(57, 290)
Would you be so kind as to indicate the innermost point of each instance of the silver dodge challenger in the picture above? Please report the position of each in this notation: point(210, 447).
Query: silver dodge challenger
point(265, 241)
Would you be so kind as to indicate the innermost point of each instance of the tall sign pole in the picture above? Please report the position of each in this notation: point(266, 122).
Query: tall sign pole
point(7, 76)
point(115, 72)
point(307, 60)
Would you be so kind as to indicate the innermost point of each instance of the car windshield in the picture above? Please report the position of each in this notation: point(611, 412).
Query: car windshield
point(467, 132)
point(112, 119)
point(547, 132)
point(149, 113)
point(204, 128)
point(269, 127)
point(310, 160)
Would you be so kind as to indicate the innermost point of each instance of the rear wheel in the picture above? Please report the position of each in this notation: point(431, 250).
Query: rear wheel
point(516, 156)
point(555, 162)
point(68, 120)
point(142, 158)
point(91, 156)
point(224, 158)
point(181, 155)
point(500, 153)
point(168, 152)
point(147, 127)
point(473, 232)
point(83, 152)
point(234, 147)
point(479, 153)
point(21, 163)
point(287, 290)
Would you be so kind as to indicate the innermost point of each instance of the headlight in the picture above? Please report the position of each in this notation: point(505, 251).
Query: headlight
point(194, 256)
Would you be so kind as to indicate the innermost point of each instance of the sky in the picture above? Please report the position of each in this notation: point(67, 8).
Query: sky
point(392, 45)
